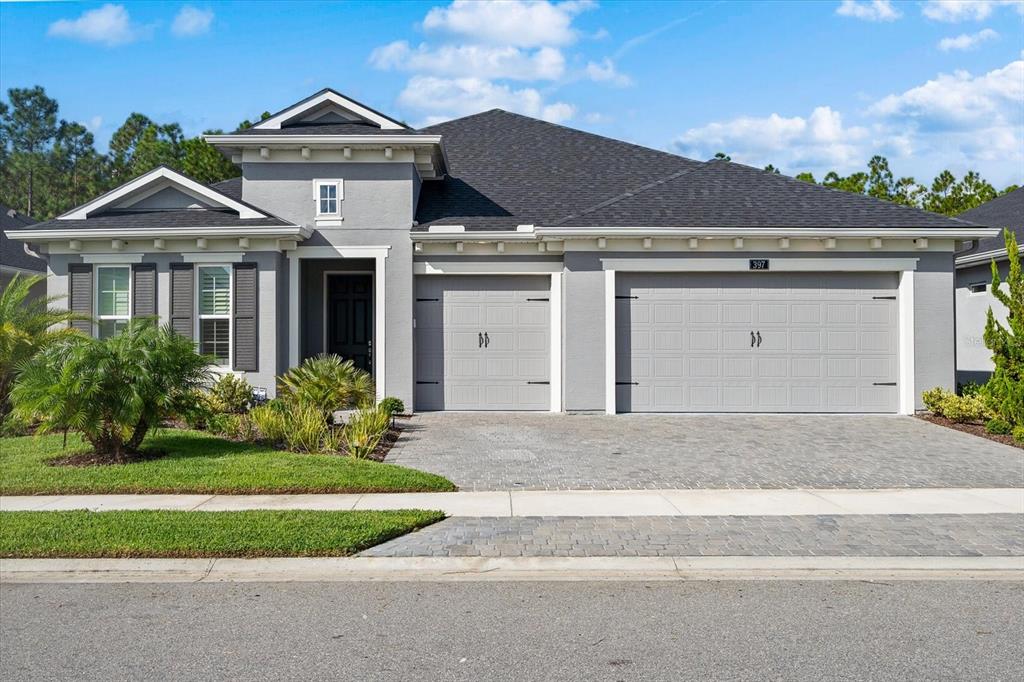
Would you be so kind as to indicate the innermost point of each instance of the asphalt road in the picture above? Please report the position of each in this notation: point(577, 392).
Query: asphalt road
point(505, 631)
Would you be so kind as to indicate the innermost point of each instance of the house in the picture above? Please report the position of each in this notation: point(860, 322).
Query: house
point(974, 282)
point(14, 259)
point(498, 262)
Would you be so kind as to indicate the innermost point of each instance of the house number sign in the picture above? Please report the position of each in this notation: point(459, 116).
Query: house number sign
point(758, 263)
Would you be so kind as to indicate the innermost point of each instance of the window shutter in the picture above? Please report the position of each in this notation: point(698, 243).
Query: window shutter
point(80, 295)
point(144, 290)
point(245, 289)
point(183, 299)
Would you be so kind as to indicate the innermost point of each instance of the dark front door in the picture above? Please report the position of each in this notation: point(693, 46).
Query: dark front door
point(350, 318)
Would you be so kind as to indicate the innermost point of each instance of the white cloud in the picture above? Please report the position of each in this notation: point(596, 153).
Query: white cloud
point(876, 10)
point(192, 21)
point(523, 23)
point(94, 123)
point(443, 98)
point(605, 72)
point(967, 41)
point(109, 25)
point(965, 10)
point(546, 63)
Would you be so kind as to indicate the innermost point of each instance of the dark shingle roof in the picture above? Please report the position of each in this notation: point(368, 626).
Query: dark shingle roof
point(1003, 212)
point(353, 128)
point(12, 253)
point(231, 188)
point(506, 169)
point(176, 218)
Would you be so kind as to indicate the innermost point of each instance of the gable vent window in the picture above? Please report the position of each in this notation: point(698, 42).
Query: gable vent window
point(328, 198)
point(113, 299)
point(978, 288)
point(214, 293)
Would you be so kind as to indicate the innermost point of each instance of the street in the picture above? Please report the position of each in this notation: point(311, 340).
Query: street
point(512, 630)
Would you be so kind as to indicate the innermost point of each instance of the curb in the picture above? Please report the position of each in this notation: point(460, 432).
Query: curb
point(437, 569)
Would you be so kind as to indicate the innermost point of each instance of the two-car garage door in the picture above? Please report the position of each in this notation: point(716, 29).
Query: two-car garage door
point(756, 342)
point(482, 342)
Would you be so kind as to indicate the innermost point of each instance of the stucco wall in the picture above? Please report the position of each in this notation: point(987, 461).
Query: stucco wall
point(973, 359)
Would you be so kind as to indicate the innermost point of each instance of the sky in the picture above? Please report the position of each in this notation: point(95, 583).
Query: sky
point(806, 86)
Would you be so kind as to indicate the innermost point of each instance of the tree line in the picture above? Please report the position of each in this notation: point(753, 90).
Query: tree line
point(49, 165)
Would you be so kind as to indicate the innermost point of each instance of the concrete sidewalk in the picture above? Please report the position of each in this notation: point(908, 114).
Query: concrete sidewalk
point(432, 569)
point(620, 503)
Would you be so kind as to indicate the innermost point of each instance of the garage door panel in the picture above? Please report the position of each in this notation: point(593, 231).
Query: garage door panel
point(826, 340)
point(482, 343)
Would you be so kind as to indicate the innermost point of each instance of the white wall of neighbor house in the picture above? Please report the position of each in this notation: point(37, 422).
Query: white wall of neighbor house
point(973, 359)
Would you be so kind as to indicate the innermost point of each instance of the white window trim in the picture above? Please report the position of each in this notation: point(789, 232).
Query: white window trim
point(230, 316)
point(339, 186)
point(98, 292)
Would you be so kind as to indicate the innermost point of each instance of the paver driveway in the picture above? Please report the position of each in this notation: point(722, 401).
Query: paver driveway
point(501, 451)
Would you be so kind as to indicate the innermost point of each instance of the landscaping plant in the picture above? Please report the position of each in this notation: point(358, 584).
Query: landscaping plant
point(364, 431)
point(392, 405)
point(1005, 390)
point(327, 383)
point(28, 324)
point(112, 390)
point(231, 394)
point(270, 421)
point(306, 429)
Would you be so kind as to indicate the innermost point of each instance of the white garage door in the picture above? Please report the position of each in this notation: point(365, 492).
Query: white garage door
point(482, 342)
point(756, 342)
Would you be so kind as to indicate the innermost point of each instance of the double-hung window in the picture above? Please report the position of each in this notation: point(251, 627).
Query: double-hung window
point(113, 299)
point(214, 292)
point(328, 198)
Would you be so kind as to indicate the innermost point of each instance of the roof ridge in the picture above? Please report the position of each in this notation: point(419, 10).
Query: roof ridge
point(631, 193)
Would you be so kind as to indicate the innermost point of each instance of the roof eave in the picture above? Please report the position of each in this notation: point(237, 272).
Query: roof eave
point(85, 233)
point(770, 232)
point(984, 257)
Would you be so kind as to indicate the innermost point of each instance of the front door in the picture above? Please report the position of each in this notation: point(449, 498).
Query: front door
point(350, 318)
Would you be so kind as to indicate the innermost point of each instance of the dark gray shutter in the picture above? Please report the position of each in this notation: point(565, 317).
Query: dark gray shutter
point(80, 295)
point(245, 321)
point(144, 290)
point(183, 299)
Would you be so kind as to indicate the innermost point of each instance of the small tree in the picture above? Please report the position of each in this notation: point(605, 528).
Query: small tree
point(28, 324)
point(1006, 387)
point(112, 390)
point(327, 383)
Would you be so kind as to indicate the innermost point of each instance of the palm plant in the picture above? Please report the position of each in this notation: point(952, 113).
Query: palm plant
point(28, 324)
point(327, 383)
point(113, 390)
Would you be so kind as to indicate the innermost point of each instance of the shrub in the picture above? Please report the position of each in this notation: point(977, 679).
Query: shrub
point(998, 426)
point(327, 383)
point(1006, 340)
point(231, 394)
point(270, 422)
point(970, 388)
point(198, 410)
point(960, 409)
point(1018, 434)
point(933, 399)
point(16, 426)
point(306, 429)
point(111, 390)
point(392, 405)
point(364, 431)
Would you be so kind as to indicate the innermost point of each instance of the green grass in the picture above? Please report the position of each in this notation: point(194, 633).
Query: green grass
point(266, 533)
point(200, 463)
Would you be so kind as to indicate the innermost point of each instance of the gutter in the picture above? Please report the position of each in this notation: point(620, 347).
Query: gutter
point(264, 231)
point(312, 140)
point(984, 257)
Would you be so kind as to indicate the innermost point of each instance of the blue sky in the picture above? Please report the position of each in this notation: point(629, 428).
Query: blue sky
point(804, 85)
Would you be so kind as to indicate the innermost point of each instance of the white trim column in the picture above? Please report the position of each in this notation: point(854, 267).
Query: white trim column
point(609, 342)
point(905, 300)
point(379, 323)
point(294, 338)
point(556, 341)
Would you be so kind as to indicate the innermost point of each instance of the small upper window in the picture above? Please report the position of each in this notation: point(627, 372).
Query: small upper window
point(113, 294)
point(978, 287)
point(328, 197)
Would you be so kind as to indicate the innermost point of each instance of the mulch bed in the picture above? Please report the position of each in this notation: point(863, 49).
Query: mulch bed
point(88, 459)
point(387, 442)
point(973, 429)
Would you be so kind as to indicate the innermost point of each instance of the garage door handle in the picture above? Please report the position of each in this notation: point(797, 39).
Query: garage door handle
point(546, 383)
point(627, 383)
point(759, 339)
point(480, 340)
point(487, 340)
point(752, 339)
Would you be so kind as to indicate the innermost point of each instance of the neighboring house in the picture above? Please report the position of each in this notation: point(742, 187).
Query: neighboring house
point(500, 262)
point(14, 259)
point(974, 282)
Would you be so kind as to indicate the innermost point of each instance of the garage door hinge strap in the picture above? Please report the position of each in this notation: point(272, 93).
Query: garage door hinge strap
point(884, 298)
point(884, 383)
point(539, 382)
point(538, 299)
point(428, 382)
point(423, 300)
point(629, 297)
point(627, 383)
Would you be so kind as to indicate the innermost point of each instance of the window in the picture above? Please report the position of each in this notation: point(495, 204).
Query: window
point(328, 197)
point(214, 292)
point(113, 299)
point(978, 287)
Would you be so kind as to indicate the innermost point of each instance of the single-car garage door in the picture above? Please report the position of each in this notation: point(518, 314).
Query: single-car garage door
point(756, 342)
point(482, 342)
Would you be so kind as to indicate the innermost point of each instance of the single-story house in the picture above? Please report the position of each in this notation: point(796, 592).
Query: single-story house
point(14, 259)
point(498, 262)
point(974, 283)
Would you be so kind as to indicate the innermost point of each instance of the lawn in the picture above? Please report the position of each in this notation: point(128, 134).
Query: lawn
point(197, 462)
point(202, 534)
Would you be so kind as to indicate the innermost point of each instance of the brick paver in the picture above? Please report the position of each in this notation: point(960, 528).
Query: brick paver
point(487, 451)
point(897, 535)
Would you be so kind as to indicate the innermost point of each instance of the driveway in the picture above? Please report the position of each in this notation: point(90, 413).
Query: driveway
point(502, 451)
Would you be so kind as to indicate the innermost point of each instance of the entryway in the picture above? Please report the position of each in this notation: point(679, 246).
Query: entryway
point(348, 331)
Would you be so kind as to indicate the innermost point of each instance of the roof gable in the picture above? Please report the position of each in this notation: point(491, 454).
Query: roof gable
point(328, 107)
point(1005, 212)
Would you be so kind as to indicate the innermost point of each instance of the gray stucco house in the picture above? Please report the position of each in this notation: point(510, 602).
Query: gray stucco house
point(497, 262)
point(14, 259)
point(974, 283)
